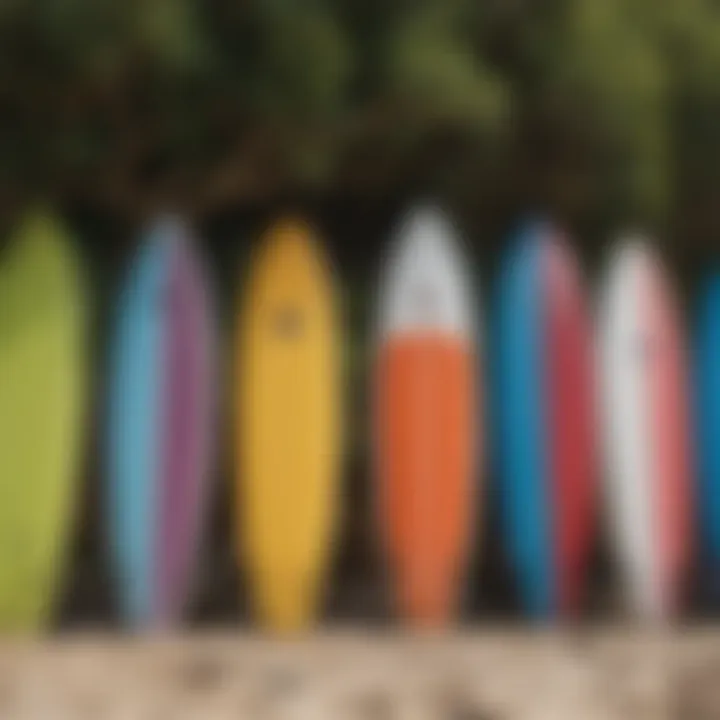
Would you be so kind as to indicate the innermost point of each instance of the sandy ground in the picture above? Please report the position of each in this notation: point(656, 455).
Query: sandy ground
point(479, 675)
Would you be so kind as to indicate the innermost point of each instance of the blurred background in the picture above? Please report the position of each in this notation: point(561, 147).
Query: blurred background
point(601, 114)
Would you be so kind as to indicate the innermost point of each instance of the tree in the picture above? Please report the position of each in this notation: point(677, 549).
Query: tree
point(604, 109)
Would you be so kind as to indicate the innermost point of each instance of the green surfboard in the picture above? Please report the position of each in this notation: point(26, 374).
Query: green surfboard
point(42, 399)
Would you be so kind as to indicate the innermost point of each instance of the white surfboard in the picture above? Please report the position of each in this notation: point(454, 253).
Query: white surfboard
point(645, 427)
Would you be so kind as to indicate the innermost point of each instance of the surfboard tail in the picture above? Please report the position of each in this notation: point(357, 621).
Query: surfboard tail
point(286, 601)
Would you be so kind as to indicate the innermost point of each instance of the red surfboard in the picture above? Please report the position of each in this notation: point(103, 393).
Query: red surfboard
point(545, 421)
point(571, 423)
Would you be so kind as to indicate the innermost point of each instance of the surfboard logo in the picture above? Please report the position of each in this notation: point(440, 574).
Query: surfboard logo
point(288, 323)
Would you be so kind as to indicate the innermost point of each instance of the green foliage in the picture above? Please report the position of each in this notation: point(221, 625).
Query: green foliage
point(433, 63)
point(94, 92)
point(303, 62)
point(612, 66)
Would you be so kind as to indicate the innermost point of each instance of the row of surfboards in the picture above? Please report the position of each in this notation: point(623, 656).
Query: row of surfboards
point(586, 409)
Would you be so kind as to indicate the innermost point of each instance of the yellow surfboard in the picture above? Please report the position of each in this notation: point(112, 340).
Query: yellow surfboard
point(288, 440)
point(42, 380)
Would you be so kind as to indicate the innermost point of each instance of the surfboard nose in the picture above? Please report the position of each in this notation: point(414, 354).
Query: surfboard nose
point(289, 267)
point(425, 286)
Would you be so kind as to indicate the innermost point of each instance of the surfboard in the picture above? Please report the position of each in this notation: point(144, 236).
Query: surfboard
point(43, 354)
point(646, 428)
point(289, 426)
point(160, 422)
point(427, 430)
point(545, 420)
point(706, 376)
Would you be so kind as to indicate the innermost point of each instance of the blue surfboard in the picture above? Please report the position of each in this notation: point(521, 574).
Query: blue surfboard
point(545, 414)
point(520, 430)
point(707, 422)
point(133, 430)
point(160, 417)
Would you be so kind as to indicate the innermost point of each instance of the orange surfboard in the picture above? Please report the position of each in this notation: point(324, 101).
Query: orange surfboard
point(426, 429)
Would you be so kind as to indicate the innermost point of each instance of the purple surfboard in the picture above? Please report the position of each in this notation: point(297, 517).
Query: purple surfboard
point(185, 452)
point(161, 416)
